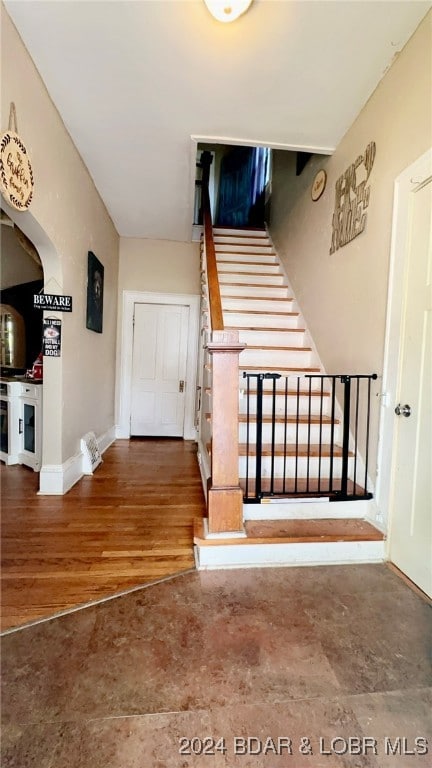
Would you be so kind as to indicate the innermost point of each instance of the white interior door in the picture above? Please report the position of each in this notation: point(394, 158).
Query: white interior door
point(159, 359)
point(411, 502)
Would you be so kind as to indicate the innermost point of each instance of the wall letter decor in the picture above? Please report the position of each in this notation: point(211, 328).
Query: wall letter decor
point(352, 199)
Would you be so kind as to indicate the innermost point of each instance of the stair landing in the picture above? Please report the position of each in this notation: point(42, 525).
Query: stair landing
point(290, 543)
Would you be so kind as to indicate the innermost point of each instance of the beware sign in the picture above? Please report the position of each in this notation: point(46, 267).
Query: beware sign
point(52, 301)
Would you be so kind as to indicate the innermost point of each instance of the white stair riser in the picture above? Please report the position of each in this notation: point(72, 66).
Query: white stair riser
point(241, 232)
point(256, 269)
point(252, 279)
point(235, 319)
point(291, 431)
point(249, 291)
point(269, 305)
point(271, 357)
point(273, 338)
point(240, 240)
point(270, 555)
point(304, 407)
point(231, 248)
point(290, 467)
point(241, 258)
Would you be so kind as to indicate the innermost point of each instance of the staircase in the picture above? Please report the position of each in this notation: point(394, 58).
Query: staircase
point(294, 523)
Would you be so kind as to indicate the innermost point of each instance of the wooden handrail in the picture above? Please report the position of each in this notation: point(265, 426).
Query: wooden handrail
point(224, 495)
point(216, 316)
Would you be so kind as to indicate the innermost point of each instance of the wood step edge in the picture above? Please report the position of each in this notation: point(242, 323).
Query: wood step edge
point(256, 274)
point(250, 263)
point(365, 532)
point(280, 419)
point(258, 298)
point(272, 369)
point(276, 368)
point(300, 450)
point(261, 312)
point(265, 348)
point(269, 392)
point(265, 246)
point(270, 330)
point(255, 285)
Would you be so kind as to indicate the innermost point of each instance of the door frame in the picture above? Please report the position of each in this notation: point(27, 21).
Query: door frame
point(409, 180)
point(124, 375)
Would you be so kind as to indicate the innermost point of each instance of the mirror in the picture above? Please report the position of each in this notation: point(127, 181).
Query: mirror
point(12, 338)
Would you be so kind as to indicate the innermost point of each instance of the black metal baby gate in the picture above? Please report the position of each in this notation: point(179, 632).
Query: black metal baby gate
point(305, 436)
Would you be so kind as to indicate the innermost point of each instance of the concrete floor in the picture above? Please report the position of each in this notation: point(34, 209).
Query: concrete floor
point(275, 656)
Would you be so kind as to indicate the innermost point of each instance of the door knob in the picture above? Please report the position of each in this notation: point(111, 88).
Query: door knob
point(181, 386)
point(403, 410)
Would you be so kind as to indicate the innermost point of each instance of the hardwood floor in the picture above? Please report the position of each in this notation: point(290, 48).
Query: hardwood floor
point(129, 524)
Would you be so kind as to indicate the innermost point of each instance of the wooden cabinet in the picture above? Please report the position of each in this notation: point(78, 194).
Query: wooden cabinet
point(30, 426)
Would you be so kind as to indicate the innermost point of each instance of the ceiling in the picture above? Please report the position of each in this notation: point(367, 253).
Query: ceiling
point(135, 81)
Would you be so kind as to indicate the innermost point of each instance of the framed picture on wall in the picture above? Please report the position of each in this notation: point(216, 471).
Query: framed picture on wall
point(95, 291)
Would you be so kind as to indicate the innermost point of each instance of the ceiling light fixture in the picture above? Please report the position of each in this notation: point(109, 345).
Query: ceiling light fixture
point(227, 10)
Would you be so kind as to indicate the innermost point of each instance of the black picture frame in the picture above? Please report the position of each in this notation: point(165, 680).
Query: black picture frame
point(95, 292)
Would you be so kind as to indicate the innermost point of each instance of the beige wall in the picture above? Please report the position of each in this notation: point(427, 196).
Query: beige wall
point(343, 296)
point(155, 266)
point(67, 219)
point(162, 266)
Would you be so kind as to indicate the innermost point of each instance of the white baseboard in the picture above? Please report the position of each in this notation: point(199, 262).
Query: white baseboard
point(278, 555)
point(58, 479)
point(107, 439)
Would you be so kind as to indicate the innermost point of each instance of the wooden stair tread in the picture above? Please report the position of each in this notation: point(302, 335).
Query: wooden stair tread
point(255, 328)
point(281, 348)
point(292, 489)
point(255, 285)
point(260, 312)
point(248, 263)
point(282, 369)
point(269, 368)
point(255, 274)
point(314, 450)
point(259, 298)
point(291, 419)
point(291, 392)
point(294, 532)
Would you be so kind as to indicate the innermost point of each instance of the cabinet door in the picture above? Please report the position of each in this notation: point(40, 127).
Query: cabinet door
point(30, 433)
point(4, 426)
point(29, 427)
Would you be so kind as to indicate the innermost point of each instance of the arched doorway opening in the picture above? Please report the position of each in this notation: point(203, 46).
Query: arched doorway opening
point(51, 441)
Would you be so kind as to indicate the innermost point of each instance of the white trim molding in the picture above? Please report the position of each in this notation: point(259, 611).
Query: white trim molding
point(58, 479)
point(130, 298)
point(279, 555)
point(407, 182)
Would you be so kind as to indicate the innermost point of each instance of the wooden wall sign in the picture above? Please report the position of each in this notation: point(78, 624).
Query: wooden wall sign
point(16, 174)
point(318, 185)
point(352, 199)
